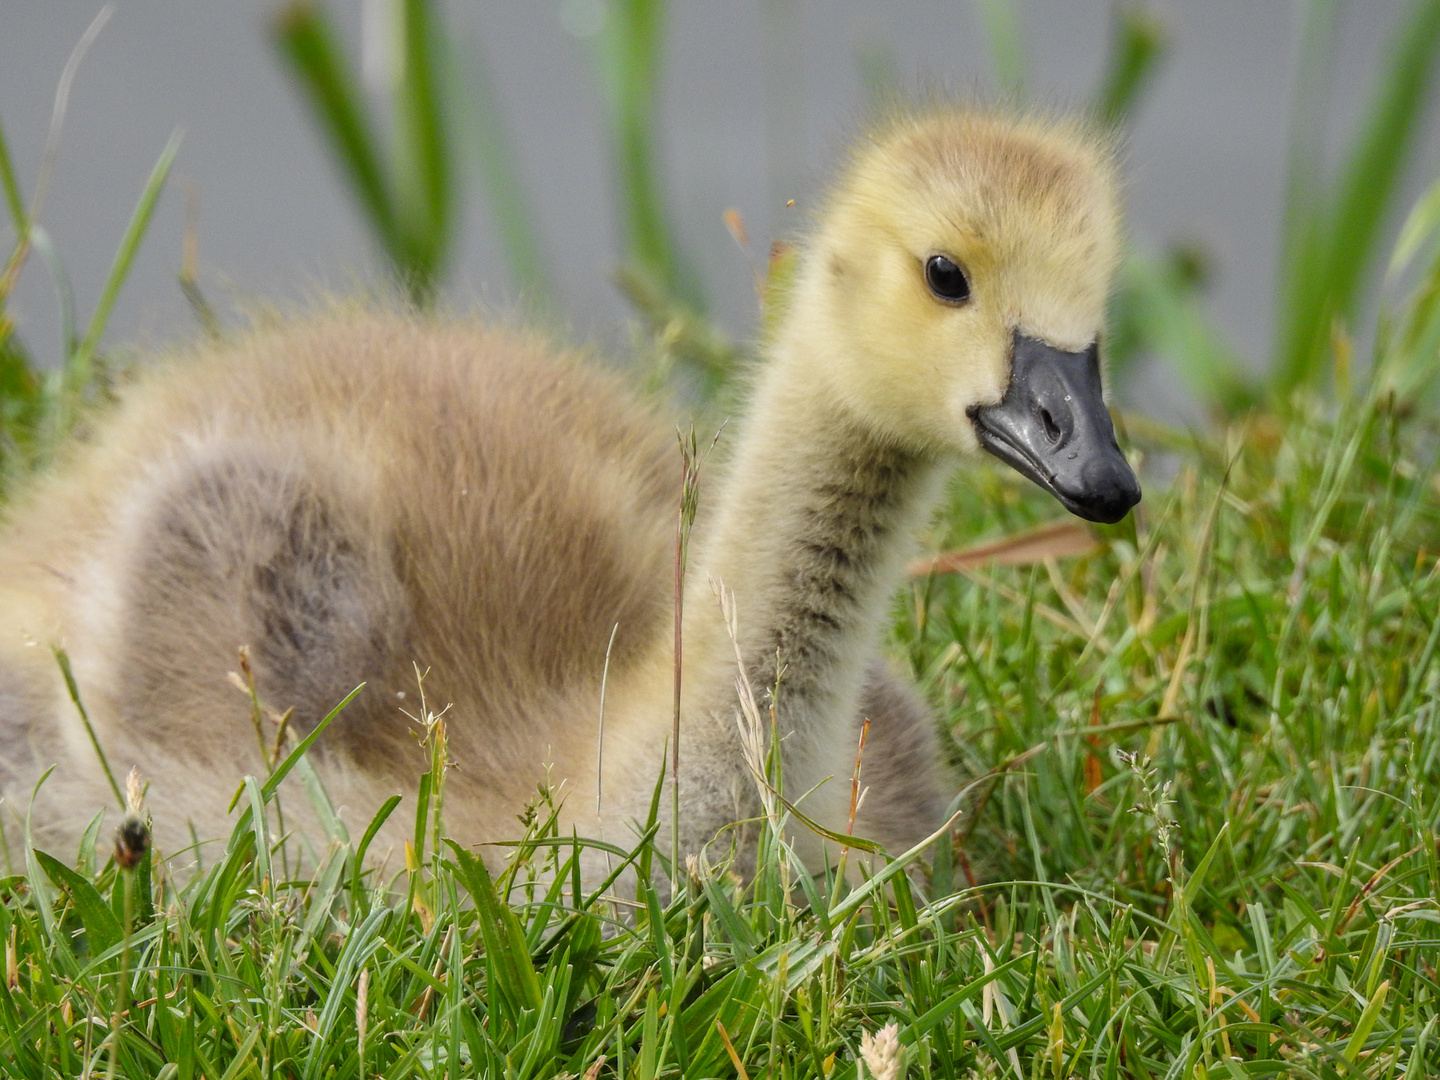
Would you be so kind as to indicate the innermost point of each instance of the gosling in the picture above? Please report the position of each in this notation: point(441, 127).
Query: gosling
point(355, 493)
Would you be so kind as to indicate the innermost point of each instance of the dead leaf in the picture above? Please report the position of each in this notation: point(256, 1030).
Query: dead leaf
point(735, 224)
point(1054, 541)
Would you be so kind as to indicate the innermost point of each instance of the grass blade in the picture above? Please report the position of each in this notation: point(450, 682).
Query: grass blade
point(1331, 248)
point(504, 940)
point(78, 367)
point(1366, 1023)
point(64, 292)
point(101, 927)
point(62, 659)
point(307, 41)
point(1421, 227)
point(282, 770)
point(421, 156)
point(14, 201)
point(629, 51)
point(1138, 44)
point(362, 943)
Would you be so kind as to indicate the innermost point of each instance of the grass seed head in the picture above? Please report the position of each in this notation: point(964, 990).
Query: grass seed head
point(132, 838)
point(882, 1053)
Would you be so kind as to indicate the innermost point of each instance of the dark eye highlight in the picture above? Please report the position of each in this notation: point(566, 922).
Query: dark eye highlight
point(946, 280)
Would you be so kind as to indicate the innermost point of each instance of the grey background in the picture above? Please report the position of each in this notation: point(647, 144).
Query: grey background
point(1205, 161)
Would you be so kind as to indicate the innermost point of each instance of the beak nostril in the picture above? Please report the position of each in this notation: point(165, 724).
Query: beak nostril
point(1052, 429)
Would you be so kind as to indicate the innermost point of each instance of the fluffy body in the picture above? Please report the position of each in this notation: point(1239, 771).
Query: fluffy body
point(357, 493)
point(344, 496)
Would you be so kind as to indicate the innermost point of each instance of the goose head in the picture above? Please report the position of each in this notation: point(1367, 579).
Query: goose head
point(961, 270)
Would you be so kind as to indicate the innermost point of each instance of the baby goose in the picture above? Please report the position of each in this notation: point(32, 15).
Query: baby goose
point(358, 492)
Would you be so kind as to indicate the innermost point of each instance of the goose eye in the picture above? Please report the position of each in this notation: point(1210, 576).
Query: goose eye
point(946, 280)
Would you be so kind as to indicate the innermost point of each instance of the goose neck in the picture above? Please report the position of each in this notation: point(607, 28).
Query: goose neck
point(811, 535)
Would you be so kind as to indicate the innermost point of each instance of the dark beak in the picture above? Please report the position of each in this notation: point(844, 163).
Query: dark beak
point(1053, 426)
